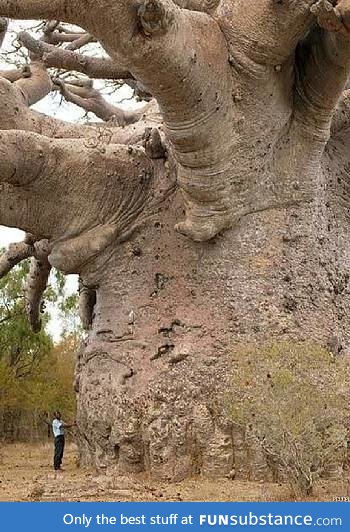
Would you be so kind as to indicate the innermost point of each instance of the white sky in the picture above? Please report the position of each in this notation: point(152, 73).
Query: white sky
point(9, 235)
point(52, 105)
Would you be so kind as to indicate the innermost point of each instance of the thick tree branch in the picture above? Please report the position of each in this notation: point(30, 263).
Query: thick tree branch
point(181, 56)
point(178, 46)
point(3, 29)
point(16, 115)
point(92, 101)
point(31, 83)
point(55, 9)
point(38, 9)
point(87, 302)
point(35, 287)
point(81, 41)
point(94, 133)
point(38, 274)
point(36, 86)
point(13, 256)
point(16, 73)
point(61, 58)
point(323, 69)
point(78, 218)
point(333, 18)
point(277, 27)
point(21, 157)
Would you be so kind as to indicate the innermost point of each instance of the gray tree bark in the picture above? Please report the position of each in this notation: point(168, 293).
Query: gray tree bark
point(218, 217)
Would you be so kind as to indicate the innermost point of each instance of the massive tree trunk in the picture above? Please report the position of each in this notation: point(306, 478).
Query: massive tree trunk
point(249, 146)
point(171, 316)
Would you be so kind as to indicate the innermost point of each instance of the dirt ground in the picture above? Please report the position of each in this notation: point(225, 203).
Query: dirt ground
point(26, 475)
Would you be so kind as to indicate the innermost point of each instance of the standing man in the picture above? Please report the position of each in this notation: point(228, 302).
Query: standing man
point(58, 427)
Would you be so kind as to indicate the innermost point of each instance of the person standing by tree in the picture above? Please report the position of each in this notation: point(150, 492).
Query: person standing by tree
point(58, 427)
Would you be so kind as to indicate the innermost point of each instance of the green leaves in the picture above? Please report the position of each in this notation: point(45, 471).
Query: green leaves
point(20, 348)
point(35, 374)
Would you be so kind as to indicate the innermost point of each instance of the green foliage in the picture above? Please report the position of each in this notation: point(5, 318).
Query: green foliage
point(66, 304)
point(294, 400)
point(35, 375)
point(20, 348)
point(50, 388)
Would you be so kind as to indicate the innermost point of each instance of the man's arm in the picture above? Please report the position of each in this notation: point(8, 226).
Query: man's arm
point(69, 425)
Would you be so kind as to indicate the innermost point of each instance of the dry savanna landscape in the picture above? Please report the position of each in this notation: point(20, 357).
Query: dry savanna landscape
point(26, 475)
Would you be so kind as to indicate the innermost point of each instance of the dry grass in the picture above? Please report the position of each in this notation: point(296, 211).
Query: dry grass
point(291, 400)
point(26, 475)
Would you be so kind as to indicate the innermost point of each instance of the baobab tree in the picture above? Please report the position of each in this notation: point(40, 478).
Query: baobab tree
point(215, 215)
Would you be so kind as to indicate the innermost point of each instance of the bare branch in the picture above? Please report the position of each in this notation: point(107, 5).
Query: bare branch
point(35, 87)
point(36, 283)
point(17, 116)
point(3, 29)
point(38, 10)
point(16, 73)
point(75, 40)
point(92, 101)
point(323, 64)
point(87, 302)
point(57, 37)
point(13, 256)
point(81, 41)
point(333, 18)
point(61, 58)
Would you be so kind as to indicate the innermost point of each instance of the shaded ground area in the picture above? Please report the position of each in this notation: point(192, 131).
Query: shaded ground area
point(26, 475)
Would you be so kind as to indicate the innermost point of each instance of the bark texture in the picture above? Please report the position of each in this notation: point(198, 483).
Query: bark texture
point(216, 216)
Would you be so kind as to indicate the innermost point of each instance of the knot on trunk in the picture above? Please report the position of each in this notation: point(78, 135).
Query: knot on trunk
point(335, 19)
point(156, 16)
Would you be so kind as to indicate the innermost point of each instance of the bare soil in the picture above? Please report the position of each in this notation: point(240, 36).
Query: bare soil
point(26, 475)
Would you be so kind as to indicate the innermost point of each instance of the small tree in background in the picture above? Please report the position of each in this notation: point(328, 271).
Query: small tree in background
point(36, 376)
point(51, 388)
point(293, 400)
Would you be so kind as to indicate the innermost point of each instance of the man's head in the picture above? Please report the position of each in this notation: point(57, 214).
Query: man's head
point(57, 415)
